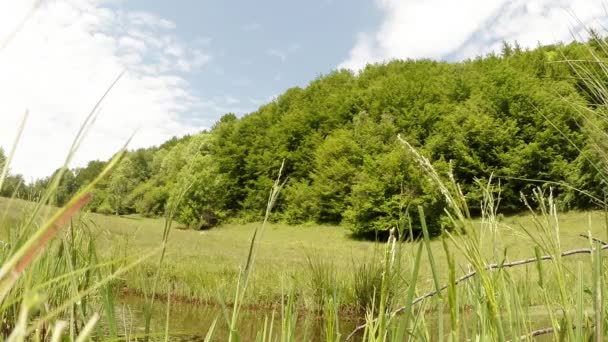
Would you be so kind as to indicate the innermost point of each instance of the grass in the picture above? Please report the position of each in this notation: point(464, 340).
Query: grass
point(323, 270)
point(526, 276)
point(198, 263)
point(53, 285)
point(49, 273)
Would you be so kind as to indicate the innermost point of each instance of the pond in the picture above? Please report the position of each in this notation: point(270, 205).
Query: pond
point(189, 322)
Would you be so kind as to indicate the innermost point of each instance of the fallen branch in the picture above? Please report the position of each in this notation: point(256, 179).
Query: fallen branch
point(538, 332)
point(489, 267)
point(544, 331)
point(593, 239)
point(504, 265)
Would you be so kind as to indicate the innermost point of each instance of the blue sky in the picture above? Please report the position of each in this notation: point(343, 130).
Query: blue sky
point(259, 49)
point(188, 62)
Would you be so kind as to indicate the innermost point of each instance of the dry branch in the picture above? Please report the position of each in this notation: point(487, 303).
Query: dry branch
point(536, 333)
point(592, 239)
point(505, 265)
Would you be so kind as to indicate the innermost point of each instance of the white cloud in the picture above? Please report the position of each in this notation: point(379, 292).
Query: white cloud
point(150, 20)
point(64, 58)
point(175, 50)
point(277, 53)
point(467, 28)
point(131, 43)
point(199, 59)
point(282, 54)
point(225, 104)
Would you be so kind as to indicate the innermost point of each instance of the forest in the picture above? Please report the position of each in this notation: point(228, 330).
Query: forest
point(517, 117)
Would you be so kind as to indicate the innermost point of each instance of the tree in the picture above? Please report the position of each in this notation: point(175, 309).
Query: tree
point(507, 116)
point(122, 181)
point(66, 189)
point(199, 195)
point(14, 186)
point(2, 158)
point(87, 174)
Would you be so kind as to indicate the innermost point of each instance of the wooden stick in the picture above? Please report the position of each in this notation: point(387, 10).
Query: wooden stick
point(538, 332)
point(593, 239)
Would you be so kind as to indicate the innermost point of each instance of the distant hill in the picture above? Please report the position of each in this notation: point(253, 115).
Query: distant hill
point(512, 115)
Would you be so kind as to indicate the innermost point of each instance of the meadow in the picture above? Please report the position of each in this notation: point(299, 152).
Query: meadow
point(70, 269)
point(314, 266)
point(201, 262)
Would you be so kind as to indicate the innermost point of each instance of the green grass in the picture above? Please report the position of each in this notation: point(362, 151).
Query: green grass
point(201, 264)
point(323, 270)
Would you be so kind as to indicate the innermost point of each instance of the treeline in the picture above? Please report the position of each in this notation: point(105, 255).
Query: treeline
point(512, 115)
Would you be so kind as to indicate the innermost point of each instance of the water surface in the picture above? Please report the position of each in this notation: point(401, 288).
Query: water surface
point(189, 322)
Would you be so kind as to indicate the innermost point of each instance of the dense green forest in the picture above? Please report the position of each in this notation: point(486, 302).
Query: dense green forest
point(511, 115)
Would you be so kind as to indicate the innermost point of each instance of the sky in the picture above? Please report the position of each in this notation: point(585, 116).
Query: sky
point(188, 62)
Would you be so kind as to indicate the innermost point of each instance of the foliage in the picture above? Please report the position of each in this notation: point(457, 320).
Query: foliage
point(512, 117)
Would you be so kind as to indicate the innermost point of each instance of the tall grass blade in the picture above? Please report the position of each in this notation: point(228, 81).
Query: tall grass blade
point(598, 293)
point(580, 288)
point(88, 329)
point(427, 244)
point(253, 245)
point(209, 336)
point(58, 329)
point(12, 268)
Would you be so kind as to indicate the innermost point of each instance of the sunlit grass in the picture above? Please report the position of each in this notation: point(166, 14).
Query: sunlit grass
point(197, 261)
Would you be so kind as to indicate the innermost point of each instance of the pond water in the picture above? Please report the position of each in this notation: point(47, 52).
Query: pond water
point(188, 322)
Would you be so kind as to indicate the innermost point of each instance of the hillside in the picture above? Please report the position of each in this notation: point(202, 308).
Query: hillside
point(512, 116)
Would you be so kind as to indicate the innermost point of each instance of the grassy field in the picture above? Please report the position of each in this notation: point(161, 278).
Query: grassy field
point(202, 266)
point(323, 266)
point(200, 263)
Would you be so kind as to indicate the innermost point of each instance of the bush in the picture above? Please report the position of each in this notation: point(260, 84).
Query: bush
point(386, 195)
point(367, 285)
point(302, 205)
point(105, 208)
